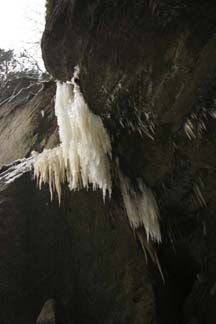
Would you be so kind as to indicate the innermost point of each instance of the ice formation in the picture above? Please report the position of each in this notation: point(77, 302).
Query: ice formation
point(14, 171)
point(197, 194)
point(142, 209)
point(83, 155)
point(189, 129)
point(49, 168)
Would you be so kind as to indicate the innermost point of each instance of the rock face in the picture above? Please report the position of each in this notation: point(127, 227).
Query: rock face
point(154, 61)
point(29, 240)
point(148, 69)
point(27, 119)
point(48, 313)
point(82, 254)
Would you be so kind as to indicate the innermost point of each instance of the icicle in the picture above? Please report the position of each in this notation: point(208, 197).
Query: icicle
point(199, 196)
point(64, 96)
point(141, 207)
point(149, 249)
point(85, 145)
point(49, 168)
point(189, 129)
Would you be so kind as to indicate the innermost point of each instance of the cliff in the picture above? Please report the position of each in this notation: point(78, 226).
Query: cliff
point(147, 68)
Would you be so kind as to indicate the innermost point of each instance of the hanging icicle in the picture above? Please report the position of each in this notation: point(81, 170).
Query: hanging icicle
point(142, 209)
point(83, 156)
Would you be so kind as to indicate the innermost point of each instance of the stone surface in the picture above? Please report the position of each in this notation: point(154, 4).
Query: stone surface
point(154, 57)
point(48, 313)
point(83, 255)
point(23, 127)
point(150, 61)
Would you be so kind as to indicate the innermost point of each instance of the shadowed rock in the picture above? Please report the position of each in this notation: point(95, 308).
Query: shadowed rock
point(48, 313)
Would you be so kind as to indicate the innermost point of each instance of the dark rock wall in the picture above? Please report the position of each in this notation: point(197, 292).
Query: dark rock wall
point(156, 57)
point(149, 61)
point(83, 255)
point(31, 254)
point(156, 50)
